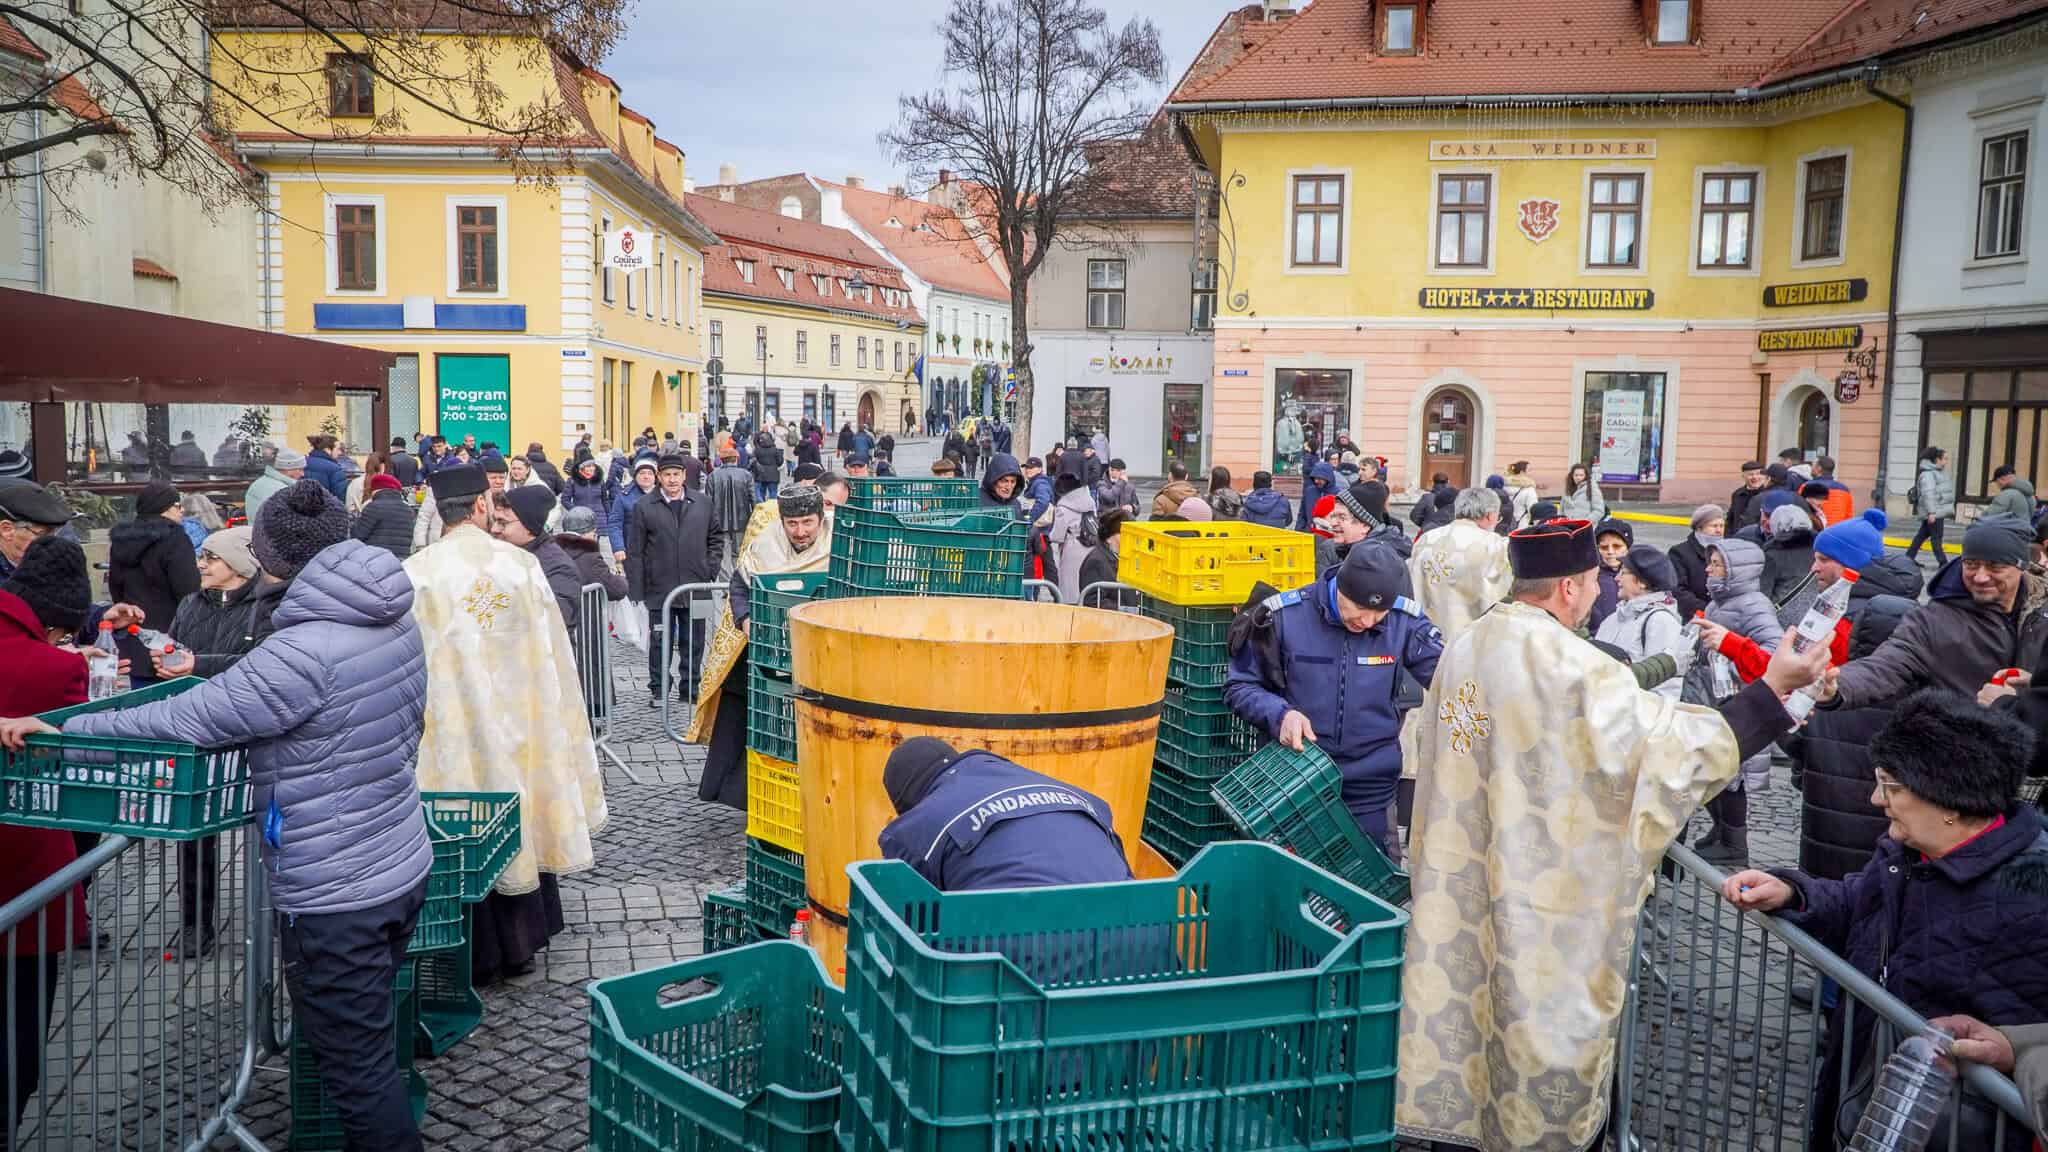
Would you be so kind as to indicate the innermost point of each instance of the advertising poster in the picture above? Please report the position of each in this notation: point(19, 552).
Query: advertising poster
point(475, 398)
point(1621, 437)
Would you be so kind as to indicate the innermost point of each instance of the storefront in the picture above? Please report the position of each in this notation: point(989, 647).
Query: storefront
point(1148, 395)
point(1983, 397)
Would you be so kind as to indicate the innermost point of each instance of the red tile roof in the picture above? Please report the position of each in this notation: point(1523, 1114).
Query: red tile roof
point(1148, 176)
point(1511, 47)
point(928, 239)
point(152, 270)
point(774, 241)
point(71, 93)
point(11, 40)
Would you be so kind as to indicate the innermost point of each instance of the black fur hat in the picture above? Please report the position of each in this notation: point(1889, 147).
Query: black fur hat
point(1953, 754)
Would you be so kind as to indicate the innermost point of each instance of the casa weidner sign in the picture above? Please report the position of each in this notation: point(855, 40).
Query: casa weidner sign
point(1541, 299)
point(1815, 292)
point(1451, 150)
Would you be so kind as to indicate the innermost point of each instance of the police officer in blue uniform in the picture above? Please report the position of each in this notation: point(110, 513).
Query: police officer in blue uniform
point(1325, 669)
point(973, 820)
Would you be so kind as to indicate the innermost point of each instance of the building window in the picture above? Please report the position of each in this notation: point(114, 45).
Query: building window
point(349, 90)
point(718, 338)
point(604, 270)
point(746, 268)
point(659, 286)
point(1615, 226)
point(1464, 216)
point(1985, 418)
point(2001, 195)
point(761, 342)
point(675, 290)
point(1105, 294)
point(1313, 406)
point(1674, 22)
point(632, 279)
point(898, 355)
point(774, 406)
point(1827, 181)
point(476, 248)
point(835, 350)
point(1202, 309)
point(1727, 218)
point(1318, 221)
point(803, 346)
point(860, 352)
point(1621, 427)
point(355, 247)
point(1087, 413)
point(1397, 32)
point(818, 282)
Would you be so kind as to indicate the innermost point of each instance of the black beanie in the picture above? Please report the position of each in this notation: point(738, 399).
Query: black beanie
point(1651, 567)
point(911, 768)
point(1262, 480)
point(531, 503)
point(1372, 576)
point(2000, 539)
point(1373, 495)
point(1953, 754)
point(293, 526)
point(155, 498)
point(51, 580)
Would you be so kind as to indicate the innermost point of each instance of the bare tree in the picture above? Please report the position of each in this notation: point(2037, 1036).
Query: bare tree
point(1031, 86)
point(153, 87)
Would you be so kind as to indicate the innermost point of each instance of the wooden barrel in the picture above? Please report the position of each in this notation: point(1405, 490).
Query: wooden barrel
point(1070, 692)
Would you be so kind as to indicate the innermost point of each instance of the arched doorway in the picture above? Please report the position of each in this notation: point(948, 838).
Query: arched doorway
point(1815, 416)
point(867, 409)
point(1447, 437)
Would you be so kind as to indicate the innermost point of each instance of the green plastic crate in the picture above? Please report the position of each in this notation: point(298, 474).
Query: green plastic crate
point(316, 1126)
point(1201, 642)
point(1181, 818)
point(771, 716)
point(775, 888)
point(768, 605)
point(1198, 711)
point(896, 494)
point(1296, 800)
point(1206, 758)
point(162, 789)
point(750, 1063)
point(931, 554)
point(475, 833)
point(1210, 1011)
point(449, 1008)
point(726, 924)
point(443, 919)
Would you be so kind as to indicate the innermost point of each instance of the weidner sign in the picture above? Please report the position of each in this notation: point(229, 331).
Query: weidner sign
point(1444, 150)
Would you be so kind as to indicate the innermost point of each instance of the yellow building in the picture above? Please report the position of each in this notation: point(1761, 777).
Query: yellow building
point(1652, 269)
point(476, 258)
point(807, 322)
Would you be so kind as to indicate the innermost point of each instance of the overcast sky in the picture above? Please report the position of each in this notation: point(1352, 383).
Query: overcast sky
point(778, 86)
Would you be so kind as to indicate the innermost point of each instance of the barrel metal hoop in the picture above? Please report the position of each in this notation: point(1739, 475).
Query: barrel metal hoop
point(943, 718)
point(836, 919)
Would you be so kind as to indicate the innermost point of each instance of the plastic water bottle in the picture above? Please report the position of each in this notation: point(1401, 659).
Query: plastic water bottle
point(102, 665)
point(800, 928)
point(1905, 1106)
point(1818, 625)
point(162, 645)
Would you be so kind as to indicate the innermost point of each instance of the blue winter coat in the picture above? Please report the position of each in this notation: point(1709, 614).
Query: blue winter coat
point(1322, 481)
point(1038, 495)
point(1346, 683)
point(328, 471)
point(193, 532)
point(576, 493)
point(989, 823)
point(1967, 933)
point(622, 512)
point(1265, 506)
point(330, 707)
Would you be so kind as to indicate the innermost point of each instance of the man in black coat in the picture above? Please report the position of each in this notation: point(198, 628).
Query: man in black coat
point(387, 518)
point(672, 539)
point(519, 517)
point(1743, 509)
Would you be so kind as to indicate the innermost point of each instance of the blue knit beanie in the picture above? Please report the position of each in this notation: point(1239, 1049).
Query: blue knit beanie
point(1773, 500)
point(1854, 544)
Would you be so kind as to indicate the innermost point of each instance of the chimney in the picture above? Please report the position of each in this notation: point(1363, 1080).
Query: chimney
point(898, 190)
point(831, 207)
point(1278, 9)
point(945, 176)
point(728, 174)
point(726, 193)
point(854, 181)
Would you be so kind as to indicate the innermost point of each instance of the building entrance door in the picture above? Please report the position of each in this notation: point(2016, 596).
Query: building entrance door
point(1447, 438)
point(1183, 431)
point(867, 410)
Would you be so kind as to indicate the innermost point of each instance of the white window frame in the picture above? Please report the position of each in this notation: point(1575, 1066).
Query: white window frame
point(803, 346)
point(717, 345)
point(1122, 290)
point(1848, 156)
point(1992, 123)
point(1657, 21)
point(1343, 265)
point(604, 270)
point(1493, 211)
point(1642, 267)
point(454, 205)
point(333, 200)
point(835, 352)
point(788, 278)
point(1756, 221)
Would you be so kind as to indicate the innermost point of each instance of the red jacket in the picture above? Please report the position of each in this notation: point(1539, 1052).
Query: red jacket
point(40, 677)
point(1750, 659)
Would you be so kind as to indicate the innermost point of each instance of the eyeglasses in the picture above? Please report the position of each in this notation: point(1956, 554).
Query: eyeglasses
point(208, 557)
point(1887, 786)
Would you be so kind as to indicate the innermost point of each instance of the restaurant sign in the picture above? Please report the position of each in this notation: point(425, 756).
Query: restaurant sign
point(1541, 299)
point(1810, 339)
point(1815, 292)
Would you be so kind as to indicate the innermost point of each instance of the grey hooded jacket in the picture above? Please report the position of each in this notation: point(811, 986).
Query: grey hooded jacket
point(330, 706)
point(1739, 605)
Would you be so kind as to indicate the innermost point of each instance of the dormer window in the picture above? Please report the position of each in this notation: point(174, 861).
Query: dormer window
point(818, 282)
point(788, 279)
point(1674, 21)
point(1400, 29)
point(746, 268)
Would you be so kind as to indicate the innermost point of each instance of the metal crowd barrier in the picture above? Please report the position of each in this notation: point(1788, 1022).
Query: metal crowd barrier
point(594, 667)
point(1111, 595)
point(1716, 1054)
point(1042, 591)
point(140, 1047)
point(706, 604)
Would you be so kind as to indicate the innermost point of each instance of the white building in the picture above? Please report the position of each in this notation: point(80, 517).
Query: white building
point(1972, 354)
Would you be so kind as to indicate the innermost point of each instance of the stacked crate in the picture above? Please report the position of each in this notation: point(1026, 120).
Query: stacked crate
point(775, 830)
point(1195, 577)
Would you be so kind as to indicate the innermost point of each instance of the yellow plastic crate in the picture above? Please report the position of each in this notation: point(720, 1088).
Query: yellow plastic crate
point(1195, 564)
point(775, 810)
